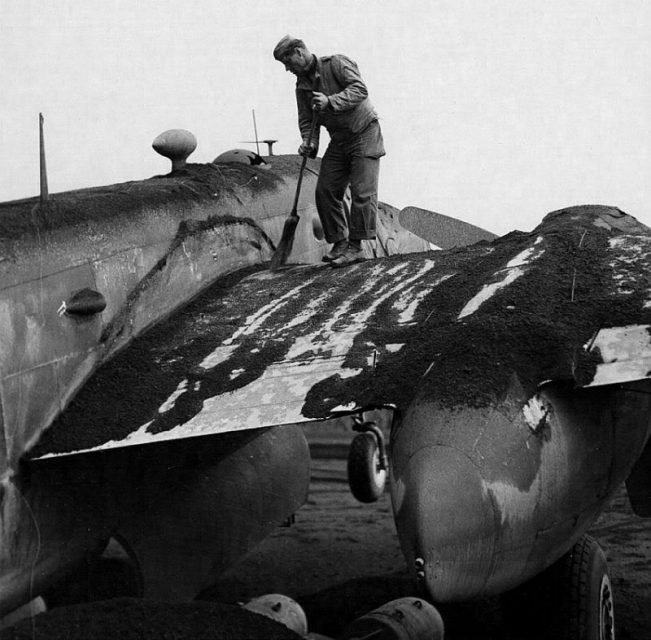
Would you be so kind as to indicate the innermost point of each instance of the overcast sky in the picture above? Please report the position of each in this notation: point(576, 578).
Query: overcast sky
point(493, 111)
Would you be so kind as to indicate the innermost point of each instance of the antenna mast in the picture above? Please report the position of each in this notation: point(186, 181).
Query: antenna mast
point(43, 169)
point(255, 130)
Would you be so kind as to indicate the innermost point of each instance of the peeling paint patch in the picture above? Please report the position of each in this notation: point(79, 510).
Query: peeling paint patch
point(306, 315)
point(630, 265)
point(488, 291)
point(408, 302)
point(169, 403)
point(512, 503)
point(526, 256)
point(255, 321)
point(327, 339)
point(514, 272)
point(351, 406)
point(535, 413)
point(219, 355)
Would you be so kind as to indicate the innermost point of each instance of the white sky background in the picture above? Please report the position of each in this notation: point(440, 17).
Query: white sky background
point(493, 111)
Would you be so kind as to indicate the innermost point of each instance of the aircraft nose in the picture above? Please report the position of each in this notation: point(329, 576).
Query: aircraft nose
point(445, 520)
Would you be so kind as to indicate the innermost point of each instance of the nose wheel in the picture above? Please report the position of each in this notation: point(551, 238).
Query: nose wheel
point(367, 462)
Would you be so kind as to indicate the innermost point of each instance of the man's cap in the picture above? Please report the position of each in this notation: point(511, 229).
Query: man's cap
point(287, 43)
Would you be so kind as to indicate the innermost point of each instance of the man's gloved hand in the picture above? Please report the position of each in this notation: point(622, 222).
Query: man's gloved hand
point(319, 101)
point(309, 151)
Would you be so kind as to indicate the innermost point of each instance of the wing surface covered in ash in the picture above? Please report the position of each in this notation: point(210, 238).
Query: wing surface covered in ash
point(261, 349)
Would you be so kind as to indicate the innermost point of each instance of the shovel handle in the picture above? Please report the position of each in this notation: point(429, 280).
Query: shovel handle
point(303, 163)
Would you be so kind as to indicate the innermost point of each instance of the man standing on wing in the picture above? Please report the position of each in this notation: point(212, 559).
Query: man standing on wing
point(331, 89)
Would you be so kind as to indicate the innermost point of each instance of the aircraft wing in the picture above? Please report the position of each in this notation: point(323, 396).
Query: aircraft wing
point(261, 349)
point(250, 354)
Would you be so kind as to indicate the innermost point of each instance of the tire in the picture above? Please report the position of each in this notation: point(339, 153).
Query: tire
point(365, 478)
point(571, 600)
point(587, 611)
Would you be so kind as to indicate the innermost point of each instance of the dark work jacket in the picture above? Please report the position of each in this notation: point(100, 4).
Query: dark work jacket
point(349, 110)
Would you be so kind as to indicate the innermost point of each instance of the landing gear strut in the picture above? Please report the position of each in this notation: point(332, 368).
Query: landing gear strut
point(367, 461)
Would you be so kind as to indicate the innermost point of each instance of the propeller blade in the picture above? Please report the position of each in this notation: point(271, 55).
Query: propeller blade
point(443, 231)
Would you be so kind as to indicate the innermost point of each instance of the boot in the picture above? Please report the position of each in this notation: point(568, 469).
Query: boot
point(353, 253)
point(337, 249)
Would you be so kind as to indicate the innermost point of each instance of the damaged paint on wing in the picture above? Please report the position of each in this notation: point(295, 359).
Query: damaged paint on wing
point(628, 256)
point(513, 273)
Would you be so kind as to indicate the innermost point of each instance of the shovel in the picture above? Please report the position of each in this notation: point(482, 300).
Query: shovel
point(286, 243)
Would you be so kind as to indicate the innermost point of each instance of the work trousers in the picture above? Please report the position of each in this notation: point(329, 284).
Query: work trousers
point(355, 162)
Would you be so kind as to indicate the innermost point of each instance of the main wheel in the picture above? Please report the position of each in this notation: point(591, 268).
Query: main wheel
point(571, 600)
point(587, 611)
point(365, 477)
